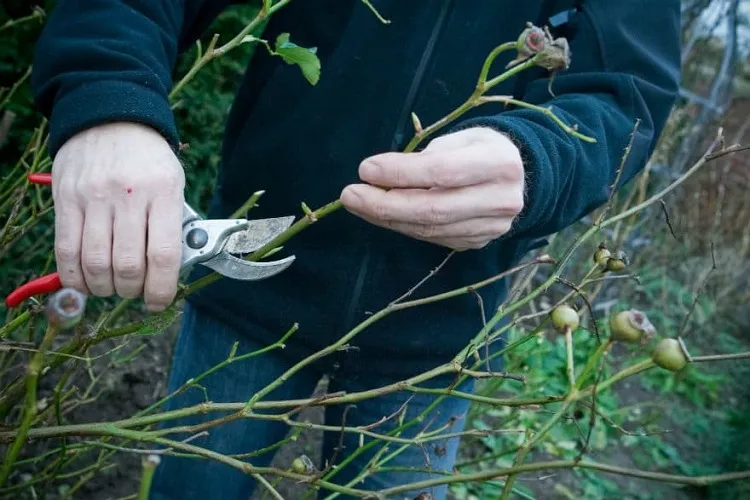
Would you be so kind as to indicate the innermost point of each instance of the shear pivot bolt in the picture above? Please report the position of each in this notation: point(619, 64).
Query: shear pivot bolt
point(197, 238)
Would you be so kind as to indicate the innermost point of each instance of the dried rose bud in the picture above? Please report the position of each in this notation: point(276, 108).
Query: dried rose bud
point(631, 326)
point(564, 317)
point(555, 56)
point(65, 308)
point(668, 355)
point(531, 41)
point(303, 465)
point(601, 255)
point(618, 261)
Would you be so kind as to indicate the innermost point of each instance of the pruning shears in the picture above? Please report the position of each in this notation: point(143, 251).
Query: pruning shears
point(214, 243)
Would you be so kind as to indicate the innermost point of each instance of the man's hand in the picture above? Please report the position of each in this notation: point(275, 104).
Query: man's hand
point(118, 193)
point(462, 191)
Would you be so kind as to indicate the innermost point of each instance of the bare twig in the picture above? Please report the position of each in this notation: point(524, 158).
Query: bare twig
point(697, 293)
point(613, 187)
point(720, 357)
point(423, 280)
point(666, 218)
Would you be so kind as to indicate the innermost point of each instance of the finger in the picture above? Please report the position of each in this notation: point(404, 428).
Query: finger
point(463, 244)
point(456, 243)
point(129, 248)
point(163, 251)
point(68, 232)
point(96, 249)
point(435, 206)
point(486, 227)
point(451, 168)
point(457, 139)
point(472, 231)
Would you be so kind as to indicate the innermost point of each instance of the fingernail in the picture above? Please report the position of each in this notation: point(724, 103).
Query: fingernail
point(351, 196)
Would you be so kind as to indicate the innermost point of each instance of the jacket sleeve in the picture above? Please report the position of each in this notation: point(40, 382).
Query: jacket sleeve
point(628, 69)
point(99, 61)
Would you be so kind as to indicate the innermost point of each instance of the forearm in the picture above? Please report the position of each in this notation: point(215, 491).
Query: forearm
point(99, 61)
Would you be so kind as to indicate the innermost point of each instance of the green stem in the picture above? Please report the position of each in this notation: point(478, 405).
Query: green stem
point(569, 358)
point(34, 368)
point(378, 316)
point(545, 111)
point(14, 323)
point(635, 369)
point(149, 467)
point(15, 87)
point(720, 357)
point(213, 53)
point(11, 23)
point(567, 464)
point(527, 447)
point(591, 363)
point(247, 206)
point(230, 359)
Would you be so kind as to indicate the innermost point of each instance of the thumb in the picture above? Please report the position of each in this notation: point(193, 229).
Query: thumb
point(455, 140)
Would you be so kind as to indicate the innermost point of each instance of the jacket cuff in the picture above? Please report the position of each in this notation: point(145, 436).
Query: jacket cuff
point(109, 101)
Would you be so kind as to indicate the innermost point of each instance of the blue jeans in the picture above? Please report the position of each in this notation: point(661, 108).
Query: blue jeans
point(205, 341)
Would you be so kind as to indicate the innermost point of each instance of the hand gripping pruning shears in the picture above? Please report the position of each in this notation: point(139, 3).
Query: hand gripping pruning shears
point(214, 243)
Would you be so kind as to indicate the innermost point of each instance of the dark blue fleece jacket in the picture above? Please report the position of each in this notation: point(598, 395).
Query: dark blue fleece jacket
point(104, 60)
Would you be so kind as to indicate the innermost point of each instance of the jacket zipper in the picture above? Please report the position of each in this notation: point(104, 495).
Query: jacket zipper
point(397, 138)
point(416, 82)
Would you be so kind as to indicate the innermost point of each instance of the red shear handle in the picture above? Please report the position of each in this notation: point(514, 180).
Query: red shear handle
point(40, 178)
point(46, 284)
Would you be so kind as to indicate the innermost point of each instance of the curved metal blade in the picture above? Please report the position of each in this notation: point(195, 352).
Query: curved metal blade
point(257, 234)
point(245, 270)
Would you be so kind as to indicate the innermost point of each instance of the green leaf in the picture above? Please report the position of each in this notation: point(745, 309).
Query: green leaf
point(158, 322)
point(305, 58)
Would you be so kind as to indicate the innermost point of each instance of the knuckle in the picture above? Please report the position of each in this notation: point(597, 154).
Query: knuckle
point(167, 181)
point(381, 210)
point(67, 251)
point(513, 205)
point(161, 295)
point(96, 263)
point(169, 184)
point(516, 204)
point(434, 214)
point(443, 176)
point(503, 227)
point(475, 243)
point(164, 257)
point(513, 170)
point(129, 267)
point(425, 230)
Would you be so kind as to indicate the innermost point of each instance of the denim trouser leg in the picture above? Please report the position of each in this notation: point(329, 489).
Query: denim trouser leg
point(447, 417)
point(204, 342)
